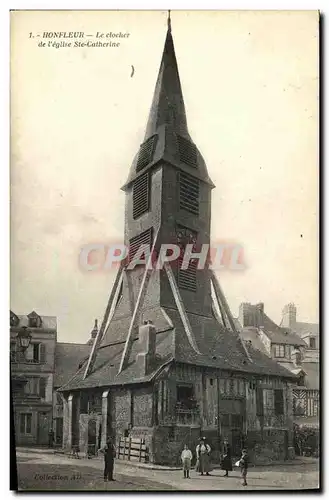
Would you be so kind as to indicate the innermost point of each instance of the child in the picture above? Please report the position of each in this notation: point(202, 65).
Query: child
point(186, 459)
point(244, 466)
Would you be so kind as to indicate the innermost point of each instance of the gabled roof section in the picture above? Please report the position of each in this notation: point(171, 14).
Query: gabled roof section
point(279, 335)
point(68, 357)
point(47, 322)
point(306, 329)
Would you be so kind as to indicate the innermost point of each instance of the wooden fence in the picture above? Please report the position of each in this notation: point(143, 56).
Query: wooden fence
point(132, 449)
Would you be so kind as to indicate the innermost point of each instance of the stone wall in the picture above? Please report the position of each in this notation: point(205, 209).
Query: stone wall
point(142, 401)
point(267, 446)
point(168, 443)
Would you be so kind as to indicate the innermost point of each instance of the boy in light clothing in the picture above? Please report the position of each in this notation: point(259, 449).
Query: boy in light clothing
point(186, 460)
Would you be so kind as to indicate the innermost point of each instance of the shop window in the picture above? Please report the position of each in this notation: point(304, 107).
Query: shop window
point(185, 397)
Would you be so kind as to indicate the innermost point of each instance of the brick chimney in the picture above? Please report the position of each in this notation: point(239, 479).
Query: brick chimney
point(146, 346)
point(245, 314)
point(260, 314)
point(289, 314)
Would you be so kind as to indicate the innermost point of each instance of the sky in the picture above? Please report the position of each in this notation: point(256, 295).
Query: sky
point(250, 85)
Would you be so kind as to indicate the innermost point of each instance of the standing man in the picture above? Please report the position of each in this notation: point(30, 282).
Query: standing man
point(51, 438)
point(109, 455)
point(227, 458)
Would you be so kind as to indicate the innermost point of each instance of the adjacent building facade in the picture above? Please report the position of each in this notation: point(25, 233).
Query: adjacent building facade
point(32, 375)
point(294, 345)
point(168, 363)
point(307, 395)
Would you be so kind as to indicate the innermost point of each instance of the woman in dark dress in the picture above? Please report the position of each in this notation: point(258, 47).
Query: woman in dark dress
point(227, 458)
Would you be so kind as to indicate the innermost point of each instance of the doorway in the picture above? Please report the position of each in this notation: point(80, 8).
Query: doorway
point(92, 437)
point(43, 428)
point(59, 431)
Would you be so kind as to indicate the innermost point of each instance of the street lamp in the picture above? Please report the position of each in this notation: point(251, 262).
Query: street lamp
point(24, 338)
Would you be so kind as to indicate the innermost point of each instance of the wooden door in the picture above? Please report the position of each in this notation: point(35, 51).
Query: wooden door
point(43, 428)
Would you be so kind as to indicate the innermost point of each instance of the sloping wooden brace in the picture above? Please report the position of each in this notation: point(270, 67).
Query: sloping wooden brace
point(180, 307)
point(221, 299)
point(221, 310)
point(115, 303)
point(109, 311)
point(139, 301)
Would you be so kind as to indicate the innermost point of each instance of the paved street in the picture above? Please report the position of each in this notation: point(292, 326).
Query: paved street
point(38, 471)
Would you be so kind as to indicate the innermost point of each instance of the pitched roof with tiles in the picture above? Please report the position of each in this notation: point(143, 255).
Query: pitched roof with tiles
point(219, 348)
point(68, 356)
point(305, 329)
point(47, 322)
point(280, 335)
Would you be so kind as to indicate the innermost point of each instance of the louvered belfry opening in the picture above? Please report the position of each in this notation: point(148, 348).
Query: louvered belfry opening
point(141, 195)
point(144, 238)
point(187, 277)
point(146, 152)
point(187, 151)
point(188, 193)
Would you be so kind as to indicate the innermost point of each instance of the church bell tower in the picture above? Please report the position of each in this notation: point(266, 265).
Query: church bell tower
point(167, 201)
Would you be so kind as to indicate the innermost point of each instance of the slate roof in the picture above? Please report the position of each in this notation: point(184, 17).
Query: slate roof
point(280, 335)
point(220, 349)
point(105, 371)
point(67, 359)
point(167, 118)
point(250, 334)
point(305, 329)
point(48, 322)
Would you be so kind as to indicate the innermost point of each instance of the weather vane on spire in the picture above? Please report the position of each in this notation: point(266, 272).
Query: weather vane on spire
point(169, 21)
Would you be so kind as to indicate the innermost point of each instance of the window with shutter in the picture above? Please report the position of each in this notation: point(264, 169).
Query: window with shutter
point(188, 193)
point(146, 152)
point(259, 402)
point(135, 243)
point(187, 277)
point(42, 387)
point(42, 353)
point(187, 151)
point(36, 353)
point(25, 423)
point(278, 402)
point(141, 198)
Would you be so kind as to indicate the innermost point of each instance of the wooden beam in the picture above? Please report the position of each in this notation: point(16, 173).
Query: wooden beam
point(180, 307)
point(221, 299)
point(139, 301)
point(109, 312)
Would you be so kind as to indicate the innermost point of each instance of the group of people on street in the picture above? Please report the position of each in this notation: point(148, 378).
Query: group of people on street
point(203, 451)
point(203, 466)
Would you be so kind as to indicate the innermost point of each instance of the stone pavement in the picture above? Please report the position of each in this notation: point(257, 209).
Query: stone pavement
point(302, 475)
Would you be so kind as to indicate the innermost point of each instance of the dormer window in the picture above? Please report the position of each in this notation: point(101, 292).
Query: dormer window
point(14, 320)
point(34, 320)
